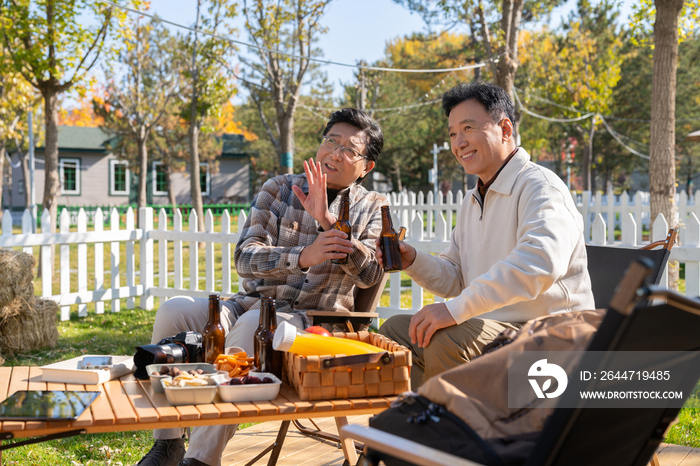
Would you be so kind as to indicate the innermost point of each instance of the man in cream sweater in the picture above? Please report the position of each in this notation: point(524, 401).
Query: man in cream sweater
point(516, 253)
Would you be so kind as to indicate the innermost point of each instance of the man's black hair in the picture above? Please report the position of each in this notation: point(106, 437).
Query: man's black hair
point(366, 123)
point(496, 101)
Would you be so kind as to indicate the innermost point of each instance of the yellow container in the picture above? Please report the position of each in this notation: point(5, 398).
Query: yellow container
point(292, 340)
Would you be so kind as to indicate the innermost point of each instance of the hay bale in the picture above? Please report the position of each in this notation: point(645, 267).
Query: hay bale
point(33, 328)
point(16, 278)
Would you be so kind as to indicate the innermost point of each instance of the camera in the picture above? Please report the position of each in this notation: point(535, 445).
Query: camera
point(181, 348)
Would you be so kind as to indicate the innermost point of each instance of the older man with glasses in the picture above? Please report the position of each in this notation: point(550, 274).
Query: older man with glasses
point(284, 252)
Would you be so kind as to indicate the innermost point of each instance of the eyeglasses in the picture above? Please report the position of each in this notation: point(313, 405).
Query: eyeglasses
point(351, 155)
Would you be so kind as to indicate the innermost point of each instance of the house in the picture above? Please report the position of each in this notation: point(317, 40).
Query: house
point(91, 175)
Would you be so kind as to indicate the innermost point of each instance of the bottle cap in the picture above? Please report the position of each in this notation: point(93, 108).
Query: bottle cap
point(284, 336)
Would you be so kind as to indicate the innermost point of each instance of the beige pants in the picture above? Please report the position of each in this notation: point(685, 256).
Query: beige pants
point(449, 347)
point(183, 313)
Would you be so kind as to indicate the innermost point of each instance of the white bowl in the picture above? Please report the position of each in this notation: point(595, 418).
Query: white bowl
point(190, 395)
point(157, 380)
point(251, 392)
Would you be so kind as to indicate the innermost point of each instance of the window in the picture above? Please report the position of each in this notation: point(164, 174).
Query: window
point(69, 173)
point(119, 177)
point(20, 187)
point(204, 178)
point(160, 182)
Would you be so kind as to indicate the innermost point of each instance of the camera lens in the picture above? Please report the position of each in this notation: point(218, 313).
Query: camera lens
point(172, 353)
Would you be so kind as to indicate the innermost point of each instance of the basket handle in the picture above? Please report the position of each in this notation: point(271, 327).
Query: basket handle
point(384, 357)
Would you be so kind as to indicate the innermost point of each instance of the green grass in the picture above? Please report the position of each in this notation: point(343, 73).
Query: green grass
point(110, 333)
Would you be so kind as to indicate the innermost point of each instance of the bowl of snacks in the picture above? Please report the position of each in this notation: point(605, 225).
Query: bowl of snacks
point(235, 362)
point(160, 372)
point(191, 389)
point(256, 386)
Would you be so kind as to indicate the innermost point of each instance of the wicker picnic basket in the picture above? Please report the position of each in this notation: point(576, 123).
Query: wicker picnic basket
point(367, 375)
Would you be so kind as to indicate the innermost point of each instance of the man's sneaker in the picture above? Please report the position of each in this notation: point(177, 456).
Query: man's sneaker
point(164, 453)
point(191, 462)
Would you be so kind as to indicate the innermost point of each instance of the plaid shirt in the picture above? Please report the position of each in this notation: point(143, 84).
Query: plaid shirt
point(278, 229)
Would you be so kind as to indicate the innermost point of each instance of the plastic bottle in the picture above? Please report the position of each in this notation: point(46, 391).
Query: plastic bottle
point(291, 339)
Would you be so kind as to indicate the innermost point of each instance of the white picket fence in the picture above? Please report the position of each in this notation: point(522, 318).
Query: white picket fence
point(428, 225)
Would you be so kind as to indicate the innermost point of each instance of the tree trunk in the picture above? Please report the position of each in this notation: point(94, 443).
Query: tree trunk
point(143, 167)
point(51, 179)
point(662, 164)
point(286, 123)
point(195, 188)
point(169, 181)
point(2, 175)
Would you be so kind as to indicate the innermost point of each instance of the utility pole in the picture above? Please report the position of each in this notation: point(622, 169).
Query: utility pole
point(32, 206)
point(433, 174)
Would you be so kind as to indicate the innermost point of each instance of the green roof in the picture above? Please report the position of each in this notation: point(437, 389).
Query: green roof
point(82, 138)
point(234, 145)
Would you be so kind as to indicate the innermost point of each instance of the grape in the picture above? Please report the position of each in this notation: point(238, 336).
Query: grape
point(235, 381)
point(267, 380)
point(251, 379)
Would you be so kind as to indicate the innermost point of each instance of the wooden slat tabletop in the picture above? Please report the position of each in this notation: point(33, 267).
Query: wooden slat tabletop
point(130, 404)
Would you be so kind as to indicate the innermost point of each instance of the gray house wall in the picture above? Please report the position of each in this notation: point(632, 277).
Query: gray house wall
point(230, 184)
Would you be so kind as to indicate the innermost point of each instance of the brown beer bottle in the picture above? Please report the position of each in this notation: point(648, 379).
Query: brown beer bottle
point(389, 243)
point(343, 224)
point(266, 358)
point(213, 335)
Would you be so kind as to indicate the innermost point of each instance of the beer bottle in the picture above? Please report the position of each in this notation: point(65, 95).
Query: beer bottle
point(343, 224)
point(389, 243)
point(213, 335)
point(267, 359)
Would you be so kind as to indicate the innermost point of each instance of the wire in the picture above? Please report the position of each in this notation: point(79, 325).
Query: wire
point(542, 117)
point(376, 109)
point(614, 134)
point(318, 60)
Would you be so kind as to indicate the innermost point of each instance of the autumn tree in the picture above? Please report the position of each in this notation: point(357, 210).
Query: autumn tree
point(667, 16)
point(208, 80)
point(53, 47)
point(137, 95)
point(407, 105)
point(495, 23)
point(292, 27)
point(17, 98)
point(578, 69)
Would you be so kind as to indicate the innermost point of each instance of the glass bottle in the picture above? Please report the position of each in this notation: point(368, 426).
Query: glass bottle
point(389, 243)
point(213, 335)
point(343, 224)
point(267, 359)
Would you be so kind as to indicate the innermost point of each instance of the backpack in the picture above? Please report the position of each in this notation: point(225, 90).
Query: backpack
point(464, 411)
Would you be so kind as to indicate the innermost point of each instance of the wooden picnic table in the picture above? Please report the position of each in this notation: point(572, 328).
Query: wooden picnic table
point(127, 404)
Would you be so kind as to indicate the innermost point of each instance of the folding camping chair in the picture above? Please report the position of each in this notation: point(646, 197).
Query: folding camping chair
point(607, 265)
point(581, 436)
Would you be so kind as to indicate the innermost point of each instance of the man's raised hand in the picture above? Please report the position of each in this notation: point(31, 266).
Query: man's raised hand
point(316, 202)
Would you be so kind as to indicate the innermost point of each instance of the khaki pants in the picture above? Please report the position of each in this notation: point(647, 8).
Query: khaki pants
point(449, 347)
point(182, 313)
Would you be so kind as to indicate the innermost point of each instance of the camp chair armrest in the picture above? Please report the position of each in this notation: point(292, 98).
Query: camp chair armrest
point(403, 449)
point(666, 243)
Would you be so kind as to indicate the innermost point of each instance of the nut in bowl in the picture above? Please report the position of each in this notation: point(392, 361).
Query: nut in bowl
point(188, 389)
point(160, 372)
point(264, 387)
